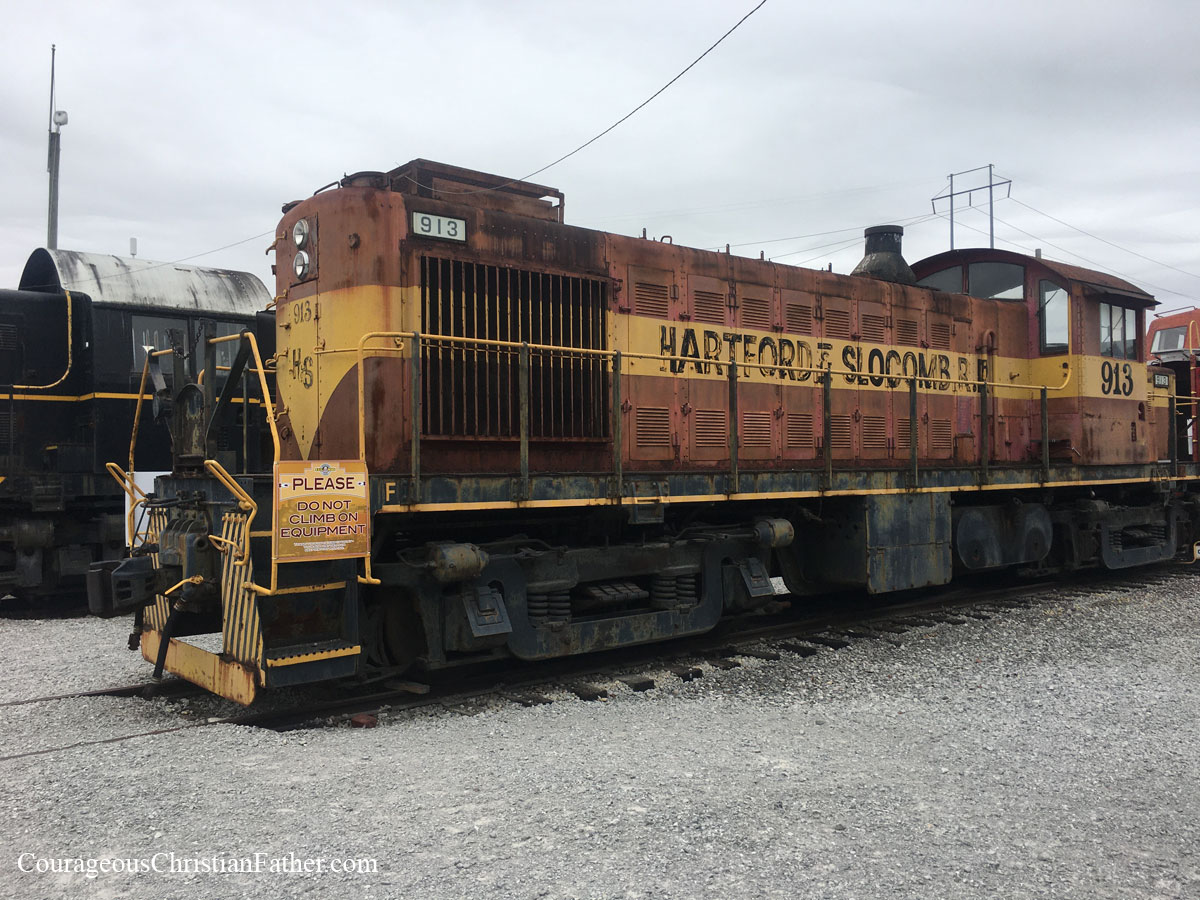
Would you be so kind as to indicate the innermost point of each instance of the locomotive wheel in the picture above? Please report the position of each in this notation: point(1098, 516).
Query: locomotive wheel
point(391, 632)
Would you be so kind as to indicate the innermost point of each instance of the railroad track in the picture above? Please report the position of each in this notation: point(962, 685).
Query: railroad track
point(169, 688)
point(765, 637)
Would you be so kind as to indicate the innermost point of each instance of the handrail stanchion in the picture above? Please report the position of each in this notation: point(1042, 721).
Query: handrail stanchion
point(1045, 436)
point(985, 431)
point(914, 435)
point(524, 401)
point(827, 427)
point(617, 412)
point(414, 485)
point(733, 428)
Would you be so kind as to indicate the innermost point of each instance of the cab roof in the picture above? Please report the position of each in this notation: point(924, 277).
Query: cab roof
point(126, 281)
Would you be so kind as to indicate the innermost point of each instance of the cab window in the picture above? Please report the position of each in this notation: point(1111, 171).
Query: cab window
point(1053, 317)
point(949, 280)
point(151, 332)
point(996, 281)
point(1118, 331)
point(1165, 340)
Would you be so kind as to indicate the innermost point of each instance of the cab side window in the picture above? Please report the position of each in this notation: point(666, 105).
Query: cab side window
point(1054, 321)
point(1118, 332)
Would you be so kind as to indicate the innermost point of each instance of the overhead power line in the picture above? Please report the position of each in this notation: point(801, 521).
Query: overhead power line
point(1099, 265)
point(1097, 237)
point(619, 121)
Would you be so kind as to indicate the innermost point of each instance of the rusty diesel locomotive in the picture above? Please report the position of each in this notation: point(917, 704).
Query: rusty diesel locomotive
point(497, 434)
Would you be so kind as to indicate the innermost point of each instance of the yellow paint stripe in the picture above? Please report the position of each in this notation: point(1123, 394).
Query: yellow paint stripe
point(95, 395)
point(309, 588)
point(763, 495)
point(314, 657)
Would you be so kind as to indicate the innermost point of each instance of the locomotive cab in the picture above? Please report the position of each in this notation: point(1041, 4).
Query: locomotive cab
point(1081, 338)
point(1174, 340)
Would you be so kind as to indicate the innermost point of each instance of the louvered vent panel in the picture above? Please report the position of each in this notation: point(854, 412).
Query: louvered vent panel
point(799, 318)
point(8, 337)
point(939, 335)
point(874, 433)
point(710, 428)
point(903, 434)
point(651, 299)
point(907, 332)
point(755, 429)
point(941, 435)
point(708, 306)
point(653, 427)
point(874, 329)
point(756, 312)
point(837, 323)
point(6, 434)
point(800, 430)
point(839, 432)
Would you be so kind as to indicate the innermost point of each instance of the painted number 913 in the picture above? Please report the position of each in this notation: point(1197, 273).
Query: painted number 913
point(429, 225)
point(1116, 379)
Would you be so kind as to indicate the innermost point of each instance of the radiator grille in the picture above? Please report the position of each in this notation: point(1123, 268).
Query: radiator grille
point(755, 429)
point(799, 430)
point(799, 318)
point(709, 428)
point(708, 306)
point(474, 391)
point(837, 323)
point(652, 426)
point(651, 299)
point(8, 337)
point(756, 312)
point(907, 332)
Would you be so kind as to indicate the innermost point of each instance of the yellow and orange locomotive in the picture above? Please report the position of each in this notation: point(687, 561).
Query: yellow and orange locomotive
point(500, 435)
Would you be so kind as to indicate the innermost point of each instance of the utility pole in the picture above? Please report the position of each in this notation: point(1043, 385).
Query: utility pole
point(58, 118)
point(991, 185)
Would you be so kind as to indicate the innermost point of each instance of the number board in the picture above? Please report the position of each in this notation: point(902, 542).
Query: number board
point(442, 227)
point(1162, 381)
point(321, 510)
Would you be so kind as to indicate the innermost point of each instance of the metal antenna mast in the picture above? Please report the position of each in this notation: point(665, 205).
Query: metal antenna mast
point(950, 193)
point(58, 118)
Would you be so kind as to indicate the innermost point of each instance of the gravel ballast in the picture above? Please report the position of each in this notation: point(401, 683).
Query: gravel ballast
point(1046, 752)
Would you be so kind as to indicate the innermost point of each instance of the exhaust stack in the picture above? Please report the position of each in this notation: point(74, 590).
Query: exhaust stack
point(883, 259)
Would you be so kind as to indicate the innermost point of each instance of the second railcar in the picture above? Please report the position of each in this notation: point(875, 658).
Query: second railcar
point(73, 341)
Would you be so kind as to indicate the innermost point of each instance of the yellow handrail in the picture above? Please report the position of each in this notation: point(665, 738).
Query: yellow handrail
point(260, 371)
point(136, 498)
point(245, 502)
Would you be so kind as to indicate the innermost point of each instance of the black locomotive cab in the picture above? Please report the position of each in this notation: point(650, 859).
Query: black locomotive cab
point(73, 342)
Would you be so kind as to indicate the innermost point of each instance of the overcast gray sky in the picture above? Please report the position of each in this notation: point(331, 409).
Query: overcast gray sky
point(190, 124)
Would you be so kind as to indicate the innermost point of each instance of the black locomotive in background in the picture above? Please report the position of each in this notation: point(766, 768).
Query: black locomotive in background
point(73, 341)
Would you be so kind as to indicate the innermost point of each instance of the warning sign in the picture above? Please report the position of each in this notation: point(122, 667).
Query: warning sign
point(321, 510)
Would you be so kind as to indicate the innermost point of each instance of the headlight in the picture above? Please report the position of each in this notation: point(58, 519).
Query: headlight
point(300, 234)
point(300, 265)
